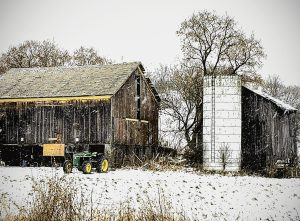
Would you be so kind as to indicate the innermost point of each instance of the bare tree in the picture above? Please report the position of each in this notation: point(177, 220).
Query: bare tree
point(213, 43)
point(34, 54)
point(47, 54)
point(181, 94)
point(21, 55)
point(274, 86)
point(3, 65)
point(88, 56)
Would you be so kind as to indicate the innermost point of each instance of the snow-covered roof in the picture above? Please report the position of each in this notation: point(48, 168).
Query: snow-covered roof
point(279, 103)
point(47, 82)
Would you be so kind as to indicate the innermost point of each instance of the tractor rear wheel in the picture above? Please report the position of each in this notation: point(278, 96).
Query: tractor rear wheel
point(102, 165)
point(87, 167)
point(67, 166)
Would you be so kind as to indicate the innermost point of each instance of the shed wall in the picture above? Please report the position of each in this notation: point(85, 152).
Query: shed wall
point(268, 133)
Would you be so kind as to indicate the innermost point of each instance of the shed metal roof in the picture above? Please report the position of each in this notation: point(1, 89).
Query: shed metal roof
point(65, 81)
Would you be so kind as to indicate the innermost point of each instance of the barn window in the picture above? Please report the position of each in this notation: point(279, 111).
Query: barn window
point(138, 97)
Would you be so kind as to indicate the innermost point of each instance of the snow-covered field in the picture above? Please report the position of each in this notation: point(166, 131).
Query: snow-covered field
point(199, 196)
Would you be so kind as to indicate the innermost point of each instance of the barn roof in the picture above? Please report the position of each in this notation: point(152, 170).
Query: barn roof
point(65, 81)
point(277, 102)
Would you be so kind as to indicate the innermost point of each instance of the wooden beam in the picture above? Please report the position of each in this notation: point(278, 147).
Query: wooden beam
point(61, 99)
point(131, 119)
point(136, 120)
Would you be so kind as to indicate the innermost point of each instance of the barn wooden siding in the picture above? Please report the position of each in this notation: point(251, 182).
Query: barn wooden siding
point(33, 123)
point(268, 132)
point(135, 113)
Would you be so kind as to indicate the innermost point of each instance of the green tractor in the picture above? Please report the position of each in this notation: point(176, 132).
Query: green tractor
point(85, 161)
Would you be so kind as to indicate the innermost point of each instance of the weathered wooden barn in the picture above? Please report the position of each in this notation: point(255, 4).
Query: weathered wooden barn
point(95, 107)
point(245, 128)
point(268, 131)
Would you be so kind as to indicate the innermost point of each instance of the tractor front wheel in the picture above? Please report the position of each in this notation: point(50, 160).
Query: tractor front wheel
point(87, 167)
point(67, 166)
point(102, 166)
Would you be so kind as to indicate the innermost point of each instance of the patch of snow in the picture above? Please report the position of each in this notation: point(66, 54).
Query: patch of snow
point(276, 101)
point(207, 197)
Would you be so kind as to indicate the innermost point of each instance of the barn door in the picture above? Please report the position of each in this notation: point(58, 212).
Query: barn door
point(2, 127)
point(137, 133)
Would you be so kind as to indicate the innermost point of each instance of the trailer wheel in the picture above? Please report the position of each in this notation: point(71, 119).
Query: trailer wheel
point(67, 166)
point(102, 166)
point(87, 167)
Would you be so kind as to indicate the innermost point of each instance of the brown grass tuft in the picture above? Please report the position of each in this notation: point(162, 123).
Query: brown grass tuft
point(57, 198)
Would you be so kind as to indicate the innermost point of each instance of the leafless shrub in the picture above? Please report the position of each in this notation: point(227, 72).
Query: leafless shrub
point(225, 154)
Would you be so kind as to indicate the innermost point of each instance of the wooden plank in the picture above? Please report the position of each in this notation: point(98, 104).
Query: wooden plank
point(51, 99)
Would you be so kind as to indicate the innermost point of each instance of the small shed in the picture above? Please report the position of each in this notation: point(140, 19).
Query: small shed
point(268, 131)
point(98, 107)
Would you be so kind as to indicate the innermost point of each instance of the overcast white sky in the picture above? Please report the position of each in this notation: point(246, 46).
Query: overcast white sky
point(138, 30)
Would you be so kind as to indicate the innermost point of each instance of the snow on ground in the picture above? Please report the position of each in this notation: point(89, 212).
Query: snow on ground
point(201, 197)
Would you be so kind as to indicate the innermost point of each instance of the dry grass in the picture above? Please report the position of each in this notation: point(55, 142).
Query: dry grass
point(58, 199)
point(158, 163)
point(164, 163)
point(53, 199)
